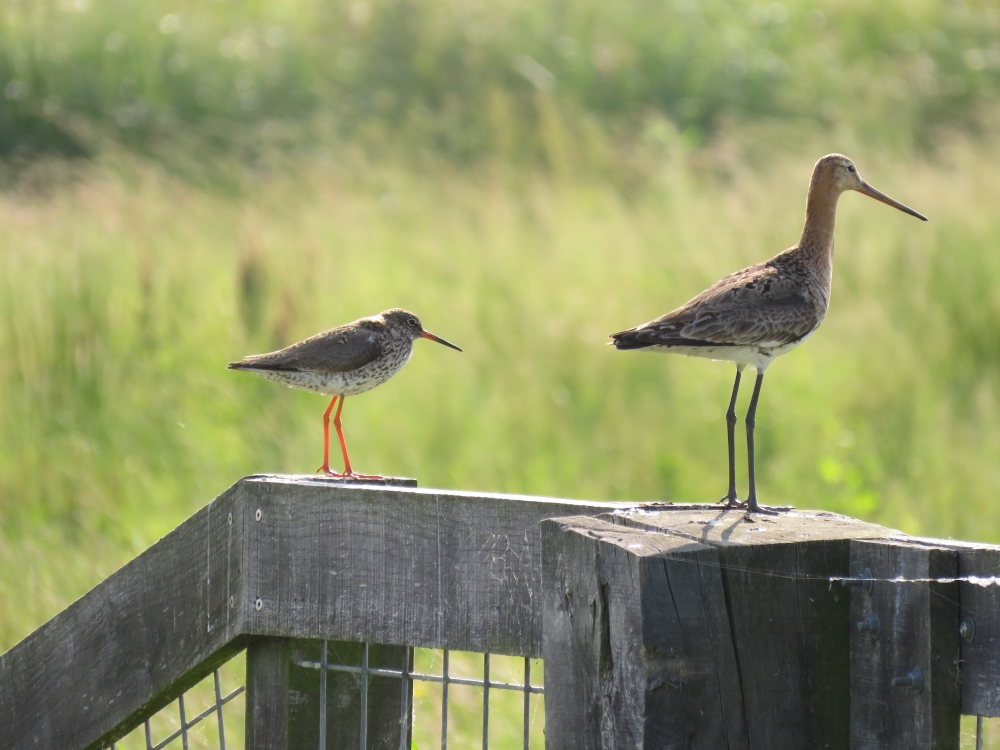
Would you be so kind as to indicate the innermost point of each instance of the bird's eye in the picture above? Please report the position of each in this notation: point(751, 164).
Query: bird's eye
point(412, 322)
point(850, 167)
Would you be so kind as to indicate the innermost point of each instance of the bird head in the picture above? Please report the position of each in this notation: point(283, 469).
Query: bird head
point(408, 325)
point(838, 173)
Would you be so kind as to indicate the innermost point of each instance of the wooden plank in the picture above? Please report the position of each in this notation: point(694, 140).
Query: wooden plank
point(918, 630)
point(980, 644)
point(636, 641)
point(979, 622)
point(135, 642)
point(462, 572)
point(268, 697)
point(788, 625)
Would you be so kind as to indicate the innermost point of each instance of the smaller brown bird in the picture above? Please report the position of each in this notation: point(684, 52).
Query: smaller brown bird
point(342, 362)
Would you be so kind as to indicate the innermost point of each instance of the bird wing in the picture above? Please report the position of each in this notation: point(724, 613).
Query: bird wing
point(337, 350)
point(757, 306)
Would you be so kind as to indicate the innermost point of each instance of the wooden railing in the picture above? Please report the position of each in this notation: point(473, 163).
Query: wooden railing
point(661, 625)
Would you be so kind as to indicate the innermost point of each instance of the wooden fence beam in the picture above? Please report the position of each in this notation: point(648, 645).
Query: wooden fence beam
point(463, 572)
point(905, 656)
point(134, 643)
point(636, 641)
point(979, 629)
point(268, 697)
point(322, 560)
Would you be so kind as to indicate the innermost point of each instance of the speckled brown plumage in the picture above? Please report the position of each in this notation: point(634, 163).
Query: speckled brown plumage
point(757, 314)
point(341, 362)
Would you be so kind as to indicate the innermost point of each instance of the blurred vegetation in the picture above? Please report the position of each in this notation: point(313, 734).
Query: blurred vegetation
point(472, 79)
point(189, 182)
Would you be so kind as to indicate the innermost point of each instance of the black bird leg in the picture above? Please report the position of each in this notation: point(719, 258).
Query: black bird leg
point(751, 421)
point(731, 498)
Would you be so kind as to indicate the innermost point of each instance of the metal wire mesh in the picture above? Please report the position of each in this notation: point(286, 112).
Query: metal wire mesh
point(186, 725)
point(407, 677)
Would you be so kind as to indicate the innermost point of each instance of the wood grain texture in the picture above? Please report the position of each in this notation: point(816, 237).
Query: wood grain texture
point(788, 625)
point(384, 564)
point(268, 698)
point(425, 568)
point(134, 643)
point(980, 601)
point(637, 646)
point(980, 655)
point(918, 629)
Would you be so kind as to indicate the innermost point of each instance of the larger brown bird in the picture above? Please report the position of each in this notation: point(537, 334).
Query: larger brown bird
point(343, 362)
point(754, 315)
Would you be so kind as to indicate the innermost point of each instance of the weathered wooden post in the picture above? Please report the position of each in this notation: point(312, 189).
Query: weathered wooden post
point(776, 629)
point(979, 628)
point(636, 640)
point(904, 646)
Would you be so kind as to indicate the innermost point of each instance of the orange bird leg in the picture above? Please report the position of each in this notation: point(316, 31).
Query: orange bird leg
point(325, 468)
point(348, 472)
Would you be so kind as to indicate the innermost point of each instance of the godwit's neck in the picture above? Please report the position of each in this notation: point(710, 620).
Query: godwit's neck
point(821, 219)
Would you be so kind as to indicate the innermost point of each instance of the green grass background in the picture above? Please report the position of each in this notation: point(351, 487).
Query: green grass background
point(186, 183)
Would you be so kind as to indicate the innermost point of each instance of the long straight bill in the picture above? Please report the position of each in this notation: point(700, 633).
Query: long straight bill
point(878, 195)
point(432, 337)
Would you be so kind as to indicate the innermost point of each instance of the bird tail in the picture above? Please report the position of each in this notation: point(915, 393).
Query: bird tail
point(254, 366)
point(628, 340)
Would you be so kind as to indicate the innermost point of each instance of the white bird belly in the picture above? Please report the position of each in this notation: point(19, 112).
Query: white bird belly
point(754, 355)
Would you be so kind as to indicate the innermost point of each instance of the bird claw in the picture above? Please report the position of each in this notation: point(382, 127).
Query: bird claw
point(352, 475)
point(347, 474)
point(732, 502)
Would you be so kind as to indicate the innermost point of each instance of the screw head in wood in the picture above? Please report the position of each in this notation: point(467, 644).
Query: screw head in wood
point(258, 604)
point(870, 625)
point(865, 581)
point(914, 680)
point(230, 519)
point(258, 515)
point(232, 602)
point(967, 629)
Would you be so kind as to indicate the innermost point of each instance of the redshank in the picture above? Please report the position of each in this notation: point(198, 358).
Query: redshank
point(754, 315)
point(343, 362)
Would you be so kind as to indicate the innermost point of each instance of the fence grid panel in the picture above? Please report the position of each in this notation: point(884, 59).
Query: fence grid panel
point(364, 672)
point(184, 724)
